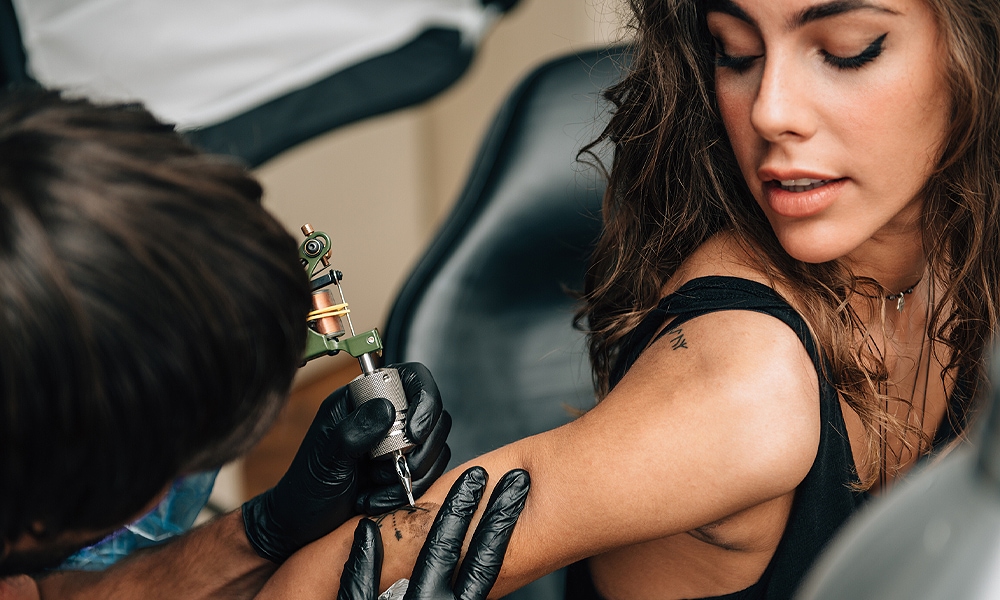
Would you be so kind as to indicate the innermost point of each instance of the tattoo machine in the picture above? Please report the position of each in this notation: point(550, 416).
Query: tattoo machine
point(325, 336)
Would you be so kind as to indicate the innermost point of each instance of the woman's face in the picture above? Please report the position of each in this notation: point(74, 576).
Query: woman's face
point(836, 112)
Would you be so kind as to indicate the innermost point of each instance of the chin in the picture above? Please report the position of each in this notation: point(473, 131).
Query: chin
point(814, 249)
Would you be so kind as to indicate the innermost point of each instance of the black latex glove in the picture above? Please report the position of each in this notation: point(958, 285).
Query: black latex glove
point(323, 486)
point(432, 574)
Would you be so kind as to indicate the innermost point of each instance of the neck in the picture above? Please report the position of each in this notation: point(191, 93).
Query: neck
point(898, 264)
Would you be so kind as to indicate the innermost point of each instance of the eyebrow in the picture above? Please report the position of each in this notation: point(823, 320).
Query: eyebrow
point(804, 16)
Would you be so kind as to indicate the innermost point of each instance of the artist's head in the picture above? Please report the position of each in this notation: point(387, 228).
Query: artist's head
point(152, 316)
point(891, 106)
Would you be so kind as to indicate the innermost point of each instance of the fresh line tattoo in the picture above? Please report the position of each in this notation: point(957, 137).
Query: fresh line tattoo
point(407, 510)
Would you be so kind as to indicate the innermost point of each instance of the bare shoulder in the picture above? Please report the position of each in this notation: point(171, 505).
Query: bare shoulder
point(720, 255)
point(738, 396)
point(752, 363)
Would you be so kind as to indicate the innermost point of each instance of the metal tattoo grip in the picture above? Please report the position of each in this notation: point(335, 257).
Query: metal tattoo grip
point(385, 383)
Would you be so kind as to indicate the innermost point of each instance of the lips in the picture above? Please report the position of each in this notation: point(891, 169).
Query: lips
point(802, 197)
point(802, 185)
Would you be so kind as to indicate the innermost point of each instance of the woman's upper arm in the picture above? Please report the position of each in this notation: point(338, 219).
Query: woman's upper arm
point(696, 431)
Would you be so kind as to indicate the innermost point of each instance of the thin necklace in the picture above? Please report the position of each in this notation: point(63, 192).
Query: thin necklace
point(883, 432)
point(899, 298)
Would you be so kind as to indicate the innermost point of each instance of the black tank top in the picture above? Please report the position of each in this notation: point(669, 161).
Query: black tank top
point(823, 500)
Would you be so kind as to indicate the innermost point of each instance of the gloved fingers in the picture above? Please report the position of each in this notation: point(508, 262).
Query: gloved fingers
point(334, 409)
point(363, 568)
point(392, 495)
point(317, 493)
point(421, 460)
point(486, 552)
point(362, 429)
point(440, 552)
point(423, 397)
point(424, 456)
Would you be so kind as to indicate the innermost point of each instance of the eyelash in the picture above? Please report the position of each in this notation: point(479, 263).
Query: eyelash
point(736, 63)
point(846, 63)
point(857, 61)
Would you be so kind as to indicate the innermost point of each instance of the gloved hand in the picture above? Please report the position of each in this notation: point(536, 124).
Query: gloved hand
point(324, 485)
point(431, 579)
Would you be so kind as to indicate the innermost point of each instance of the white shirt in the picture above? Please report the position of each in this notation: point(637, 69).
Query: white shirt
point(199, 62)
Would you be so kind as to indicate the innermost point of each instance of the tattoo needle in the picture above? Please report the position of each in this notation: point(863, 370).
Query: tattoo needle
point(403, 472)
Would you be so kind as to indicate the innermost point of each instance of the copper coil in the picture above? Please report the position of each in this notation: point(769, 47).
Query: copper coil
point(327, 325)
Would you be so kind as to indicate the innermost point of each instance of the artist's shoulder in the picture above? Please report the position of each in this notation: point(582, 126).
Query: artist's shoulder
point(19, 587)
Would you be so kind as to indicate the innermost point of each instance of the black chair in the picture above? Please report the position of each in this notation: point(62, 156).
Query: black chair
point(488, 308)
point(13, 64)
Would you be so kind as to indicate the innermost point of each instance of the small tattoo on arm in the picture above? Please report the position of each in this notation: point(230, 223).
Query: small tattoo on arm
point(677, 339)
point(403, 513)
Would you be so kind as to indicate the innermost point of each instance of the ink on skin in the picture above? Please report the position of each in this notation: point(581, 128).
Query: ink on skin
point(408, 509)
point(677, 338)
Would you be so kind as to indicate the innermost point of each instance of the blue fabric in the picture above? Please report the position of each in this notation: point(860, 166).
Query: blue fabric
point(172, 516)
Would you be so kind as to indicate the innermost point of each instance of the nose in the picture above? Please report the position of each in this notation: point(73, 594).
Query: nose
point(781, 110)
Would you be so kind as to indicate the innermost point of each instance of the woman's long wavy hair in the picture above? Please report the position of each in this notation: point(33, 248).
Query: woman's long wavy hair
point(675, 182)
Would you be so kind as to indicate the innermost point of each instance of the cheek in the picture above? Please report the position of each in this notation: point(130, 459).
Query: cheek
point(896, 123)
point(735, 103)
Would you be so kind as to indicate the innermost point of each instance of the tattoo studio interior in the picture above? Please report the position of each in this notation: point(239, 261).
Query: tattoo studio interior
point(532, 299)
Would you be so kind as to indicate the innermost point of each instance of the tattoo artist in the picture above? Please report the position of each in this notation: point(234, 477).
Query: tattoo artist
point(153, 321)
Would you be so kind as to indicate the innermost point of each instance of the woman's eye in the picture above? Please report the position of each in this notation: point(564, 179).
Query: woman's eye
point(857, 61)
point(736, 63)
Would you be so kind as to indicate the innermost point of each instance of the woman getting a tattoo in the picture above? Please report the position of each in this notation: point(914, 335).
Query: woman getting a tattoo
point(788, 307)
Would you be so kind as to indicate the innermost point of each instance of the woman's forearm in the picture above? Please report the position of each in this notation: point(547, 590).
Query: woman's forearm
point(316, 569)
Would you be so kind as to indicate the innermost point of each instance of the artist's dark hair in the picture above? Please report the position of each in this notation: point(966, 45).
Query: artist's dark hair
point(675, 182)
point(151, 312)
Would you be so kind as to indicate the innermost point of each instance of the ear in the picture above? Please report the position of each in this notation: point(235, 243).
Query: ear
point(40, 532)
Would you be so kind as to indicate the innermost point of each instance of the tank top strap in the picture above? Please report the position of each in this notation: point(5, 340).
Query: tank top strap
point(705, 295)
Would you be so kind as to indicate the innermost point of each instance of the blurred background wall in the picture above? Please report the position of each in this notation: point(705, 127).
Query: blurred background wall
point(381, 187)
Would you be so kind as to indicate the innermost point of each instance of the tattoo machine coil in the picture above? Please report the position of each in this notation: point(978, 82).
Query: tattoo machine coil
point(325, 336)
